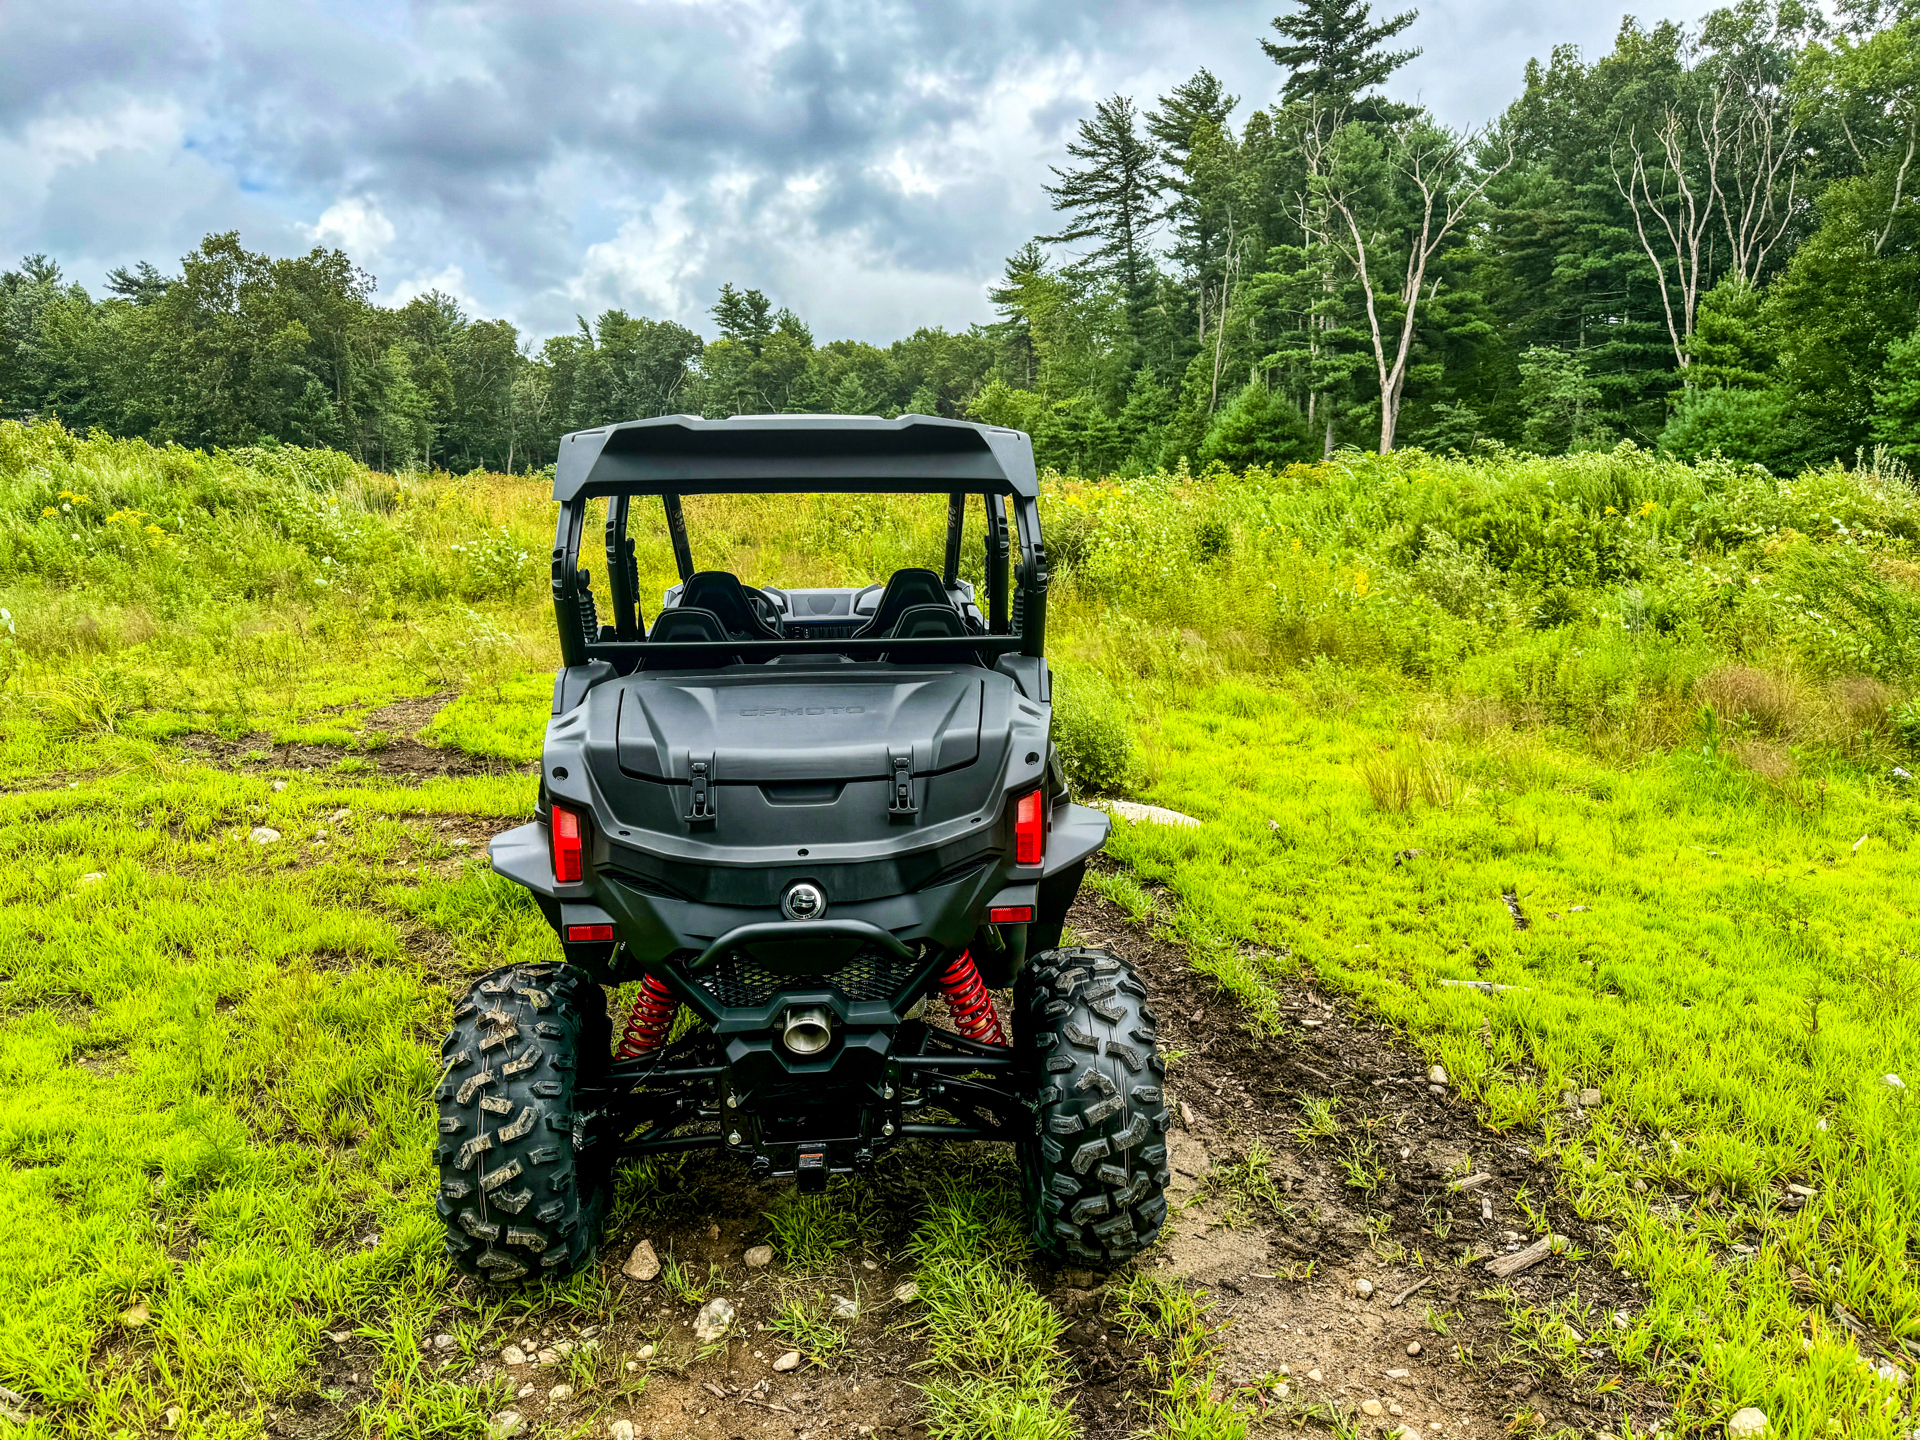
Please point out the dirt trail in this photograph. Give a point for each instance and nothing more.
(398, 755)
(1284, 1284)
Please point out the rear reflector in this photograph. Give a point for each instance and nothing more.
(590, 933)
(1009, 915)
(566, 841)
(1030, 829)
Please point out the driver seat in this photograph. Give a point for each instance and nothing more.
(720, 593)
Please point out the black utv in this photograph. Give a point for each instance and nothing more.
(810, 831)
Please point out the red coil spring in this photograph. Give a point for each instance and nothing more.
(652, 1019)
(966, 996)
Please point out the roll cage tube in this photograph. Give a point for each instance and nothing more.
(1017, 627)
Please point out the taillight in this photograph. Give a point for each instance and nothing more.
(566, 832)
(1030, 830)
(590, 933)
(1009, 915)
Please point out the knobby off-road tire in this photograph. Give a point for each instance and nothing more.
(520, 1194)
(1095, 1174)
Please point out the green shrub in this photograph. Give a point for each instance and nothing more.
(1093, 733)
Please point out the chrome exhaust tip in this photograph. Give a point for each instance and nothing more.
(807, 1030)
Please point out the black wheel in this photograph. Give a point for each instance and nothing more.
(520, 1194)
(1095, 1174)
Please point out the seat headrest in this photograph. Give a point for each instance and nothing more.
(913, 586)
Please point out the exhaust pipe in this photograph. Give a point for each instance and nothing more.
(807, 1030)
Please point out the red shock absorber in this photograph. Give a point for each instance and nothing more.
(966, 995)
(652, 1019)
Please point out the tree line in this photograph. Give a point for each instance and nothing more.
(1704, 240)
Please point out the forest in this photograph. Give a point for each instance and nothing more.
(1703, 241)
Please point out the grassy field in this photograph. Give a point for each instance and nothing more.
(1663, 715)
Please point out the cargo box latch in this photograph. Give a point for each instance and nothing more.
(901, 797)
(700, 803)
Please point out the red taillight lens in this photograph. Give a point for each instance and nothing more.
(1030, 830)
(1009, 915)
(590, 933)
(566, 832)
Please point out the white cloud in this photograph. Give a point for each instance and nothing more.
(355, 224)
(651, 264)
(449, 280)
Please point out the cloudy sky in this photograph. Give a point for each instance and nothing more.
(867, 162)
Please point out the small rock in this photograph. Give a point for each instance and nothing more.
(758, 1256)
(633, 1365)
(713, 1320)
(1795, 1190)
(1394, 1408)
(868, 1263)
(846, 1308)
(562, 1392)
(1437, 1075)
(459, 842)
(1437, 1090)
(1590, 1097)
(1187, 1116)
(1620, 1320)
(1371, 1407)
(443, 1342)
(1640, 1185)
(1135, 812)
(136, 1315)
(506, 1423)
(1892, 1080)
(172, 1418)
(524, 1392)
(1748, 1424)
(340, 1338)
(907, 1291)
(1399, 1373)
(1363, 1287)
(1413, 1348)
(787, 1361)
(279, 786)
(548, 1356)
(622, 1431)
(646, 1353)
(264, 835)
(643, 1265)
(589, 1331)
(1280, 1391)
(713, 1230)
(513, 1356)
(93, 878)
(337, 817)
(1315, 1376)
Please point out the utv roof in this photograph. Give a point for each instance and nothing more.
(683, 454)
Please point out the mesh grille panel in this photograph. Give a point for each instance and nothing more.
(873, 975)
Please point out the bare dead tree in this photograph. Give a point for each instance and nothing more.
(1221, 300)
(1449, 189)
(1748, 189)
(1680, 207)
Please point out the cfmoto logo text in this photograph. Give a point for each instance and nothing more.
(804, 901)
(806, 710)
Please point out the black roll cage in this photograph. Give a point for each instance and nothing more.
(672, 456)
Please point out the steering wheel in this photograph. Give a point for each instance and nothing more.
(767, 608)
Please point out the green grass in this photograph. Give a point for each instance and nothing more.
(990, 1335)
(1659, 706)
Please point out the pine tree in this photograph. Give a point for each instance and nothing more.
(1333, 54)
(1113, 200)
(1183, 110)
